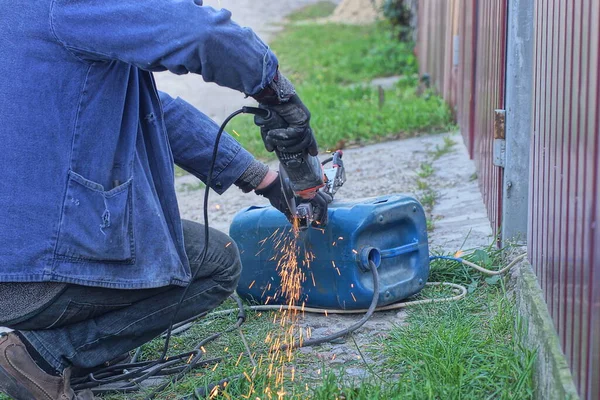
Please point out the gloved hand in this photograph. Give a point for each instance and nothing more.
(319, 203)
(288, 130)
(274, 193)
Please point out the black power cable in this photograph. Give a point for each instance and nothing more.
(206, 229)
(213, 161)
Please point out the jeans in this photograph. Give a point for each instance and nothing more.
(87, 326)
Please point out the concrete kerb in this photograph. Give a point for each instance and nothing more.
(552, 376)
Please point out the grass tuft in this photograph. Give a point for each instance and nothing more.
(444, 149)
(342, 54)
(426, 170)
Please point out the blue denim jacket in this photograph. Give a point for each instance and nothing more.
(87, 144)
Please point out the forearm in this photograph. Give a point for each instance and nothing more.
(192, 137)
(157, 35)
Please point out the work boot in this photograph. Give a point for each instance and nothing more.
(22, 379)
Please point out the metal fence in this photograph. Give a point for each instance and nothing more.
(563, 144)
(564, 184)
(461, 46)
(490, 56)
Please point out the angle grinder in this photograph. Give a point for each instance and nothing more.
(302, 175)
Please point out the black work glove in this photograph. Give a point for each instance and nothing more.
(288, 130)
(319, 203)
(274, 193)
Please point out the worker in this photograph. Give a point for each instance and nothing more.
(93, 254)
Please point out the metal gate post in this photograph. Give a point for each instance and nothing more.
(519, 109)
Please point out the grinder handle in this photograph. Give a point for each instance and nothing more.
(268, 119)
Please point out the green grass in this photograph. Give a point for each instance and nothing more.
(331, 66)
(321, 9)
(426, 170)
(342, 54)
(351, 115)
(463, 350)
(180, 172)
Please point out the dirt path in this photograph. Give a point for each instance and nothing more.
(264, 17)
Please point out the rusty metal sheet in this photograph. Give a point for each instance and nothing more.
(564, 179)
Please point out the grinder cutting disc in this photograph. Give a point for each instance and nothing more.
(288, 192)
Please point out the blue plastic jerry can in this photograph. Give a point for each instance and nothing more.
(389, 232)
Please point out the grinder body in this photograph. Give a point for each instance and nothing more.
(301, 174)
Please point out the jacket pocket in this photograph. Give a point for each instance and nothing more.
(96, 225)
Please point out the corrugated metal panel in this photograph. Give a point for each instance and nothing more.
(435, 48)
(466, 72)
(490, 79)
(565, 175)
(474, 88)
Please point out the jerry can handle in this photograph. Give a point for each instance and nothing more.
(369, 254)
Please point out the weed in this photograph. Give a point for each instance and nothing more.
(321, 9)
(473, 177)
(462, 350)
(422, 185)
(180, 171)
(444, 149)
(426, 170)
(430, 224)
(428, 199)
(342, 54)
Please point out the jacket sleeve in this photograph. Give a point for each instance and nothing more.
(192, 138)
(157, 35)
